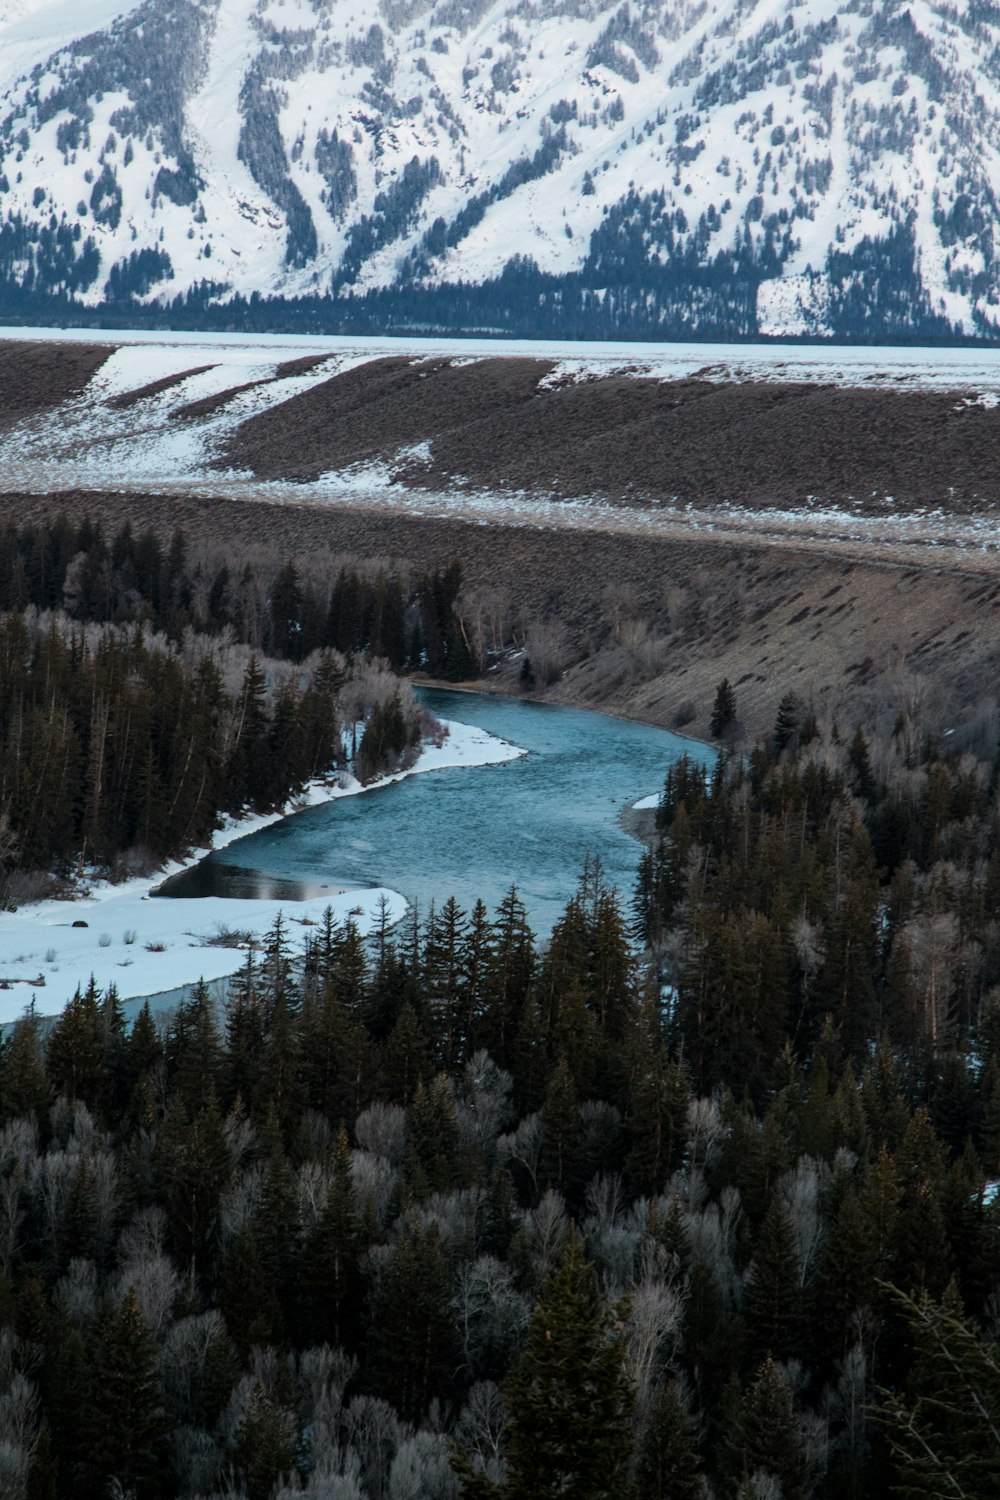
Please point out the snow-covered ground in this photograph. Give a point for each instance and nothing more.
(147, 946)
(906, 366)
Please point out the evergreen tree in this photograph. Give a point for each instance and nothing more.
(75, 1054)
(723, 709)
(568, 1398)
(944, 1429)
(787, 722)
(413, 1335)
(126, 1422)
(668, 1464)
(264, 1447)
(24, 1086)
(331, 1281)
(767, 1437)
(193, 1164)
(772, 1305)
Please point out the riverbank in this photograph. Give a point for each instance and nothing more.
(122, 935)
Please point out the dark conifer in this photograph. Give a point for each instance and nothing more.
(668, 1464)
(568, 1398)
(944, 1430)
(126, 1423)
(787, 722)
(772, 1306)
(331, 1281)
(264, 1447)
(723, 709)
(24, 1087)
(412, 1330)
(767, 1437)
(74, 1057)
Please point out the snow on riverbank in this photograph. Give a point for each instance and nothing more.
(147, 946)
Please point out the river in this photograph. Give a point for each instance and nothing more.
(470, 833)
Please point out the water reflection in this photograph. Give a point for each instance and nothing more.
(470, 832)
(211, 877)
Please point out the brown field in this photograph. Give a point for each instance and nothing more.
(36, 377)
(693, 442)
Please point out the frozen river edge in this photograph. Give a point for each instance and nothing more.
(150, 947)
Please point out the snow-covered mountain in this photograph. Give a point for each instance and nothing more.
(586, 166)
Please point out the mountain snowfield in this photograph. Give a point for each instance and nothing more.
(712, 166)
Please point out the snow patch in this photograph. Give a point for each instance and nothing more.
(791, 306)
(146, 946)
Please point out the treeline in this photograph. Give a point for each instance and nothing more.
(692, 296)
(114, 744)
(286, 607)
(147, 688)
(842, 888)
(452, 1215)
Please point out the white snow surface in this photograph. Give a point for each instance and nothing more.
(147, 946)
(143, 356)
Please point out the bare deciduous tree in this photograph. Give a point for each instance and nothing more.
(422, 1470)
(381, 1129)
(492, 1314)
(524, 1146)
(652, 1332)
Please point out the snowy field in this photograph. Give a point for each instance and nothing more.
(886, 367)
(147, 946)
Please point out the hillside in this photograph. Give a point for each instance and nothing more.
(711, 168)
(655, 522)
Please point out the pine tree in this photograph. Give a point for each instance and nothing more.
(193, 1049)
(723, 709)
(286, 613)
(193, 1162)
(560, 1130)
(24, 1087)
(860, 766)
(264, 1447)
(944, 1430)
(787, 722)
(407, 1059)
(413, 1334)
(668, 1465)
(772, 1305)
(331, 1278)
(656, 1120)
(568, 1399)
(126, 1423)
(430, 1161)
(767, 1437)
(75, 1053)
(509, 971)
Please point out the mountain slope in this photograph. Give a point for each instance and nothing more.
(727, 167)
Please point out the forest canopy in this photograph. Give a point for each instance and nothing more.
(698, 1197)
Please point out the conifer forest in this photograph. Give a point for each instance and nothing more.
(696, 1199)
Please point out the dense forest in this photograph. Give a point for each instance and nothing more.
(144, 692)
(696, 1198)
(458, 1214)
(648, 275)
(287, 608)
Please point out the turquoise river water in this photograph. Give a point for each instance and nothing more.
(474, 831)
